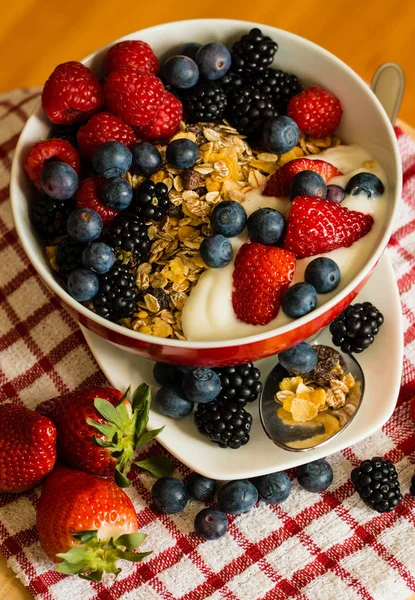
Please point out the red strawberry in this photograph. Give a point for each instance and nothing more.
(54, 148)
(27, 448)
(167, 120)
(103, 127)
(279, 182)
(316, 111)
(133, 53)
(71, 94)
(260, 277)
(86, 523)
(88, 195)
(133, 96)
(316, 226)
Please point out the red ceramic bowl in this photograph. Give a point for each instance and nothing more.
(364, 122)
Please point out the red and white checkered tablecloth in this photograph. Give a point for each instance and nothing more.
(315, 547)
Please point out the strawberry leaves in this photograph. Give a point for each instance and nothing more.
(159, 466)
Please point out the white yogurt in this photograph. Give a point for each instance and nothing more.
(208, 314)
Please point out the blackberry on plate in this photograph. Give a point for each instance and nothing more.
(66, 132)
(355, 328)
(231, 81)
(49, 216)
(253, 53)
(69, 256)
(240, 384)
(279, 85)
(205, 102)
(376, 482)
(116, 295)
(151, 201)
(128, 233)
(224, 423)
(248, 111)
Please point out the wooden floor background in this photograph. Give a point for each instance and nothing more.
(35, 35)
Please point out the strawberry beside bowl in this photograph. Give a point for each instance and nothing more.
(364, 122)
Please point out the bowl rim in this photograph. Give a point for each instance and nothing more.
(64, 296)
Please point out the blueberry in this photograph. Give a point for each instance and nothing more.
(169, 495)
(201, 488)
(273, 488)
(82, 284)
(181, 72)
(237, 497)
(213, 60)
(315, 476)
(59, 180)
(299, 300)
(99, 257)
(281, 134)
(228, 218)
(201, 385)
(111, 159)
(146, 159)
(182, 153)
(166, 374)
(117, 193)
(335, 193)
(308, 183)
(299, 359)
(216, 251)
(365, 183)
(323, 274)
(266, 226)
(211, 523)
(171, 402)
(84, 225)
(190, 49)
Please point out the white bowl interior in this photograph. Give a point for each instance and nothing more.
(364, 122)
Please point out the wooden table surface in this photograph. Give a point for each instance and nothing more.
(35, 35)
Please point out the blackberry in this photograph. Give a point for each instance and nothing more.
(253, 53)
(116, 295)
(231, 81)
(248, 110)
(277, 84)
(160, 295)
(240, 384)
(224, 423)
(151, 201)
(355, 328)
(66, 132)
(49, 216)
(376, 482)
(69, 256)
(205, 102)
(129, 234)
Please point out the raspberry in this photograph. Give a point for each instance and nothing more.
(103, 127)
(133, 96)
(316, 111)
(167, 119)
(72, 93)
(88, 195)
(132, 53)
(54, 148)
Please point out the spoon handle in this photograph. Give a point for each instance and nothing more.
(388, 85)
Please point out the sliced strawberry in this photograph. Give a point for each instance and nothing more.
(88, 195)
(316, 226)
(279, 182)
(260, 277)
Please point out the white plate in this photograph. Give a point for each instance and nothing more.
(382, 365)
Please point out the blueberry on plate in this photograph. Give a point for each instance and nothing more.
(82, 284)
(273, 488)
(111, 159)
(201, 488)
(146, 159)
(299, 359)
(281, 134)
(169, 495)
(99, 257)
(299, 300)
(190, 49)
(211, 524)
(216, 251)
(213, 60)
(182, 153)
(181, 72)
(323, 274)
(84, 225)
(365, 183)
(266, 226)
(172, 403)
(117, 193)
(59, 180)
(308, 183)
(335, 193)
(166, 374)
(237, 497)
(228, 218)
(201, 385)
(315, 476)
